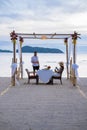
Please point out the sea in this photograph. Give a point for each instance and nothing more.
(51, 59)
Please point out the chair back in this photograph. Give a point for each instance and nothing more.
(61, 71)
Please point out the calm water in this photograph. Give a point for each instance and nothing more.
(45, 59)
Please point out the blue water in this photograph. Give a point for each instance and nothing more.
(45, 59)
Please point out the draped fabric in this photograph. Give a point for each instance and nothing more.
(75, 68)
(13, 68)
(13, 71)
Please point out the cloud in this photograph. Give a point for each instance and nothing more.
(42, 16)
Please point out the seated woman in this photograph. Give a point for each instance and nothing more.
(58, 71)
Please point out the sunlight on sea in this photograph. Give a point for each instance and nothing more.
(44, 58)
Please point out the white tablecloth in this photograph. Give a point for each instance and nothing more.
(45, 75)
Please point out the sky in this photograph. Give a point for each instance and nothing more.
(42, 16)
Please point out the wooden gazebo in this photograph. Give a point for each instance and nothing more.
(21, 36)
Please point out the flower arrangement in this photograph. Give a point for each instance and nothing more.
(74, 37)
(13, 36)
(47, 67)
(21, 40)
(65, 40)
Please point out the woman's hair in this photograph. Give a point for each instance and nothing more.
(61, 63)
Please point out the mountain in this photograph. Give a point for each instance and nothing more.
(29, 49)
(8, 51)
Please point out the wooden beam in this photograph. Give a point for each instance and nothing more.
(41, 38)
(48, 36)
(45, 34)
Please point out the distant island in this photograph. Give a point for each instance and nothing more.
(8, 51)
(29, 49)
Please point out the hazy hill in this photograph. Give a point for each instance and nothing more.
(8, 51)
(29, 49)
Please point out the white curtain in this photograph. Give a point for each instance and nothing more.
(75, 68)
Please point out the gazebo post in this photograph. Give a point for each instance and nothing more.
(74, 62)
(74, 54)
(21, 64)
(67, 64)
(14, 60)
(74, 37)
(71, 69)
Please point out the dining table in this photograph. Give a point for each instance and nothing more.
(45, 75)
